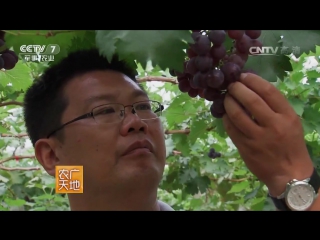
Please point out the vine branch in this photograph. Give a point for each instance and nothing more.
(2, 104)
(232, 179)
(17, 168)
(16, 158)
(20, 168)
(157, 79)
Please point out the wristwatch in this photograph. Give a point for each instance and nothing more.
(299, 195)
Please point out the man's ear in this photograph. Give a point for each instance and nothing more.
(46, 155)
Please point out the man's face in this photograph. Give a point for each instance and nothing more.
(100, 147)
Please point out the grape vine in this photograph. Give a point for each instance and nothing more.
(211, 68)
(8, 58)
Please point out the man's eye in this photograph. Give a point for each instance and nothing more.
(106, 111)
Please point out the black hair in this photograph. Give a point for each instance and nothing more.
(44, 102)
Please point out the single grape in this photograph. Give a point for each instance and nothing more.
(1, 62)
(253, 34)
(243, 44)
(214, 78)
(237, 60)
(13, 54)
(224, 85)
(214, 113)
(217, 37)
(191, 66)
(180, 74)
(218, 52)
(218, 105)
(211, 153)
(193, 92)
(9, 61)
(256, 43)
(191, 53)
(201, 93)
(194, 83)
(244, 56)
(235, 34)
(231, 72)
(180, 79)
(225, 58)
(200, 78)
(217, 155)
(184, 86)
(211, 94)
(203, 63)
(189, 76)
(202, 44)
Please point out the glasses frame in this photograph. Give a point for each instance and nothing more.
(90, 114)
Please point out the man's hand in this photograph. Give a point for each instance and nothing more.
(272, 144)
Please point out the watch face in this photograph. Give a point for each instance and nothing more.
(300, 197)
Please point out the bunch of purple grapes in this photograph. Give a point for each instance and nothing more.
(8, 58)
(213, 154)
(211, 67)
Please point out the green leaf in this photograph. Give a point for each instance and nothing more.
(311, 114)
(197, 130)
(15, 202)
(3, 130)
(297, 105)
(238, 187)
(19, 77)
(305, 40)
(3, 189)
(269, 67)
(164, 48)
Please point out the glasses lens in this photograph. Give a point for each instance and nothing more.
(148, 110)
(108, 113)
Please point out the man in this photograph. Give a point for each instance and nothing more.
(86, 111)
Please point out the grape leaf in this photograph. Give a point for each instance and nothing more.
(297, 105)
(19, 77)
(198, 129)
(269, 67)
(83, 41)
(305, 40)
(164, 48)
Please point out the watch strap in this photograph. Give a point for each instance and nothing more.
(281, 203)
(315, 181)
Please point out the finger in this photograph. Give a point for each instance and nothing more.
(233, 132)
(269, 93)
(252, 102)
(240, 118)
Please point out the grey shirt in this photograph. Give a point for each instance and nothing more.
(164, 206)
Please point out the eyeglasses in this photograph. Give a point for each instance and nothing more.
(114, 112)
